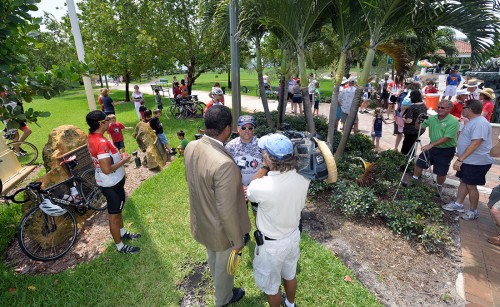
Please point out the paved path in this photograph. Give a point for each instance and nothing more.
(481, 260)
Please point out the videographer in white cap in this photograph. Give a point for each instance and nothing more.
(281, 196)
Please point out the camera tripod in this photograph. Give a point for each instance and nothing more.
(412, 156)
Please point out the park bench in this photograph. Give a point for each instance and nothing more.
(162, 89)
(162, 82)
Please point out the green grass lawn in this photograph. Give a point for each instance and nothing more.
(159, 209)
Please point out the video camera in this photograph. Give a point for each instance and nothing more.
(310, 161)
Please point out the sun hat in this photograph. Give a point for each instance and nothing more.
(246, 119)
(488, 92)
(353, 79)
(277, 146)
(472, 83)
(344, 81)
(461, 92)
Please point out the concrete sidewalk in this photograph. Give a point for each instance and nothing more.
(481, 260)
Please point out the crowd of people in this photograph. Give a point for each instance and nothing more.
(457, 128)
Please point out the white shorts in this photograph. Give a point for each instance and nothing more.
(450, 90)
(276, 259)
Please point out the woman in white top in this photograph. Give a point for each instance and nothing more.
(137, 97)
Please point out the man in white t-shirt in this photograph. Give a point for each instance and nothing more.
(310, 89)
(281, 196)
(346, 98)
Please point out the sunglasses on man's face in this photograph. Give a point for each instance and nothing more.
(441, 108)
(245, 128)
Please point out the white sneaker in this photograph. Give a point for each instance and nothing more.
(470, 215)
(453, 206)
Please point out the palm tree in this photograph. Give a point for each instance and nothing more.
(250, 28)
(348, 26)
(301, 20)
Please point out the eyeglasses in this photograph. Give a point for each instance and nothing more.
(245, 128)
(465, 108)
(441, 108)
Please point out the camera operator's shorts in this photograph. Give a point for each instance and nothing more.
(276, 259)
(440, 158)
(473, 174)
(494, 200)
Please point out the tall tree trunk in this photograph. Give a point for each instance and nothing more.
(127, 83)
(282, 101)
(335, 97)
(100, 80)
(303, 88)
(106, 79)
(356, 102)
(263, 96)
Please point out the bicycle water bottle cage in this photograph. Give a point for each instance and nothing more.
(51, 209)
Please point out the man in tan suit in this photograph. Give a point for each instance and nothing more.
(219, 216)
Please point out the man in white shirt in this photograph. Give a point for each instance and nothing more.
(281, 196)
(346, 98)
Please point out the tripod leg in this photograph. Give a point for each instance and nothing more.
(411, 157)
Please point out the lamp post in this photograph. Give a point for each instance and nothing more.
(235, 62)
(75, 29)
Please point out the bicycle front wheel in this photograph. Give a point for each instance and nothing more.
(91, 192)
(199, 110)
(45, 238)
(26, 152)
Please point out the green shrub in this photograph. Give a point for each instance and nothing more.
(318, 187)
(351, 199)
(416, 219)
(435, 237)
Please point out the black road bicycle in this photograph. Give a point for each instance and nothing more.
(49, 230)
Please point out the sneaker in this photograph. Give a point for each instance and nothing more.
(470, 215)
(19, 153)
(453, 206)
(283, 299)
(127, 249)
(131, 236)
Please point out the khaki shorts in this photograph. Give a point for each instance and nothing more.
(276, 259)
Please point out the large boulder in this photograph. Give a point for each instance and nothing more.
(62, 139)
(145, 137)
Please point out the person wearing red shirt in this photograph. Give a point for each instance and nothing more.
(430, 88)
(115, 132)
(110, 177)
(459, 103)
(486, 95)
(183, 88)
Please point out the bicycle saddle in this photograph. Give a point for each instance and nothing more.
(68, 160)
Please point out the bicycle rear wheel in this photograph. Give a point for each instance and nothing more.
(45, 238)
(91, 192)
(177, 112)
(199, 110)
(26, 152)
